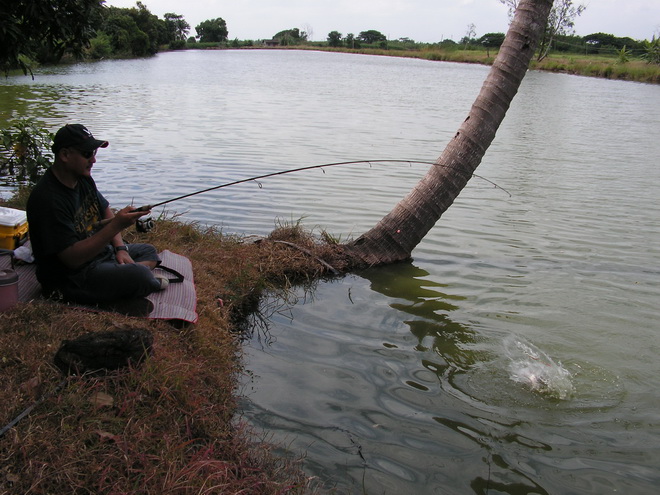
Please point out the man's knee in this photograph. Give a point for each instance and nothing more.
(143, 253)
(112, 281)
(142, 279)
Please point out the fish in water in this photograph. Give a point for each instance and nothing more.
(533, 368)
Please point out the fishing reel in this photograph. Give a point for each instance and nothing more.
(144, 226)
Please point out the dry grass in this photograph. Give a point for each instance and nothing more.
(167, 426)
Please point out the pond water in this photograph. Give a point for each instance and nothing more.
(515, 353)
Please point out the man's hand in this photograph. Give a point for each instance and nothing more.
(128, 216)
(83, 251)
(123, 258)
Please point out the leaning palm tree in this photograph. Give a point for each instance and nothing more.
(399, 232)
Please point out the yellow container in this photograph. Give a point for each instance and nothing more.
(13, 227)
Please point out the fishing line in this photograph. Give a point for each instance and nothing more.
(301, 169)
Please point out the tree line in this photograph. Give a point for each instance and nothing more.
(44, 32)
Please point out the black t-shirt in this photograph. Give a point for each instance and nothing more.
(58, 217)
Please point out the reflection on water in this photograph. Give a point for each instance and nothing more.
(517, 353)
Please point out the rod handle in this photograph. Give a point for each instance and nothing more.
(106, 221)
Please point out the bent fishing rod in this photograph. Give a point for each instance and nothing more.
(283, 172)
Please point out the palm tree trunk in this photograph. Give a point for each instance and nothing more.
(399, 232)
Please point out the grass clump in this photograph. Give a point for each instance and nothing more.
(167, 426)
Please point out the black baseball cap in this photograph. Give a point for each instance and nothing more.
(76, 136)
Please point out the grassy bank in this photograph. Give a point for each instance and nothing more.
(582, 65)
(169, 425)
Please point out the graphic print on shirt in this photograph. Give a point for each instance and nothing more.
(87, 214)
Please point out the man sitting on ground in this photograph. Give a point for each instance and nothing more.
(76, 259)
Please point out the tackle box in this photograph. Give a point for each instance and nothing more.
(13, 227)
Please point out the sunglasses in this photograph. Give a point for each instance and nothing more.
(87, 154)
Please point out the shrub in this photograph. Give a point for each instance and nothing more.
(100, 46)
(24, 151)
(652, 51)
(177, 45)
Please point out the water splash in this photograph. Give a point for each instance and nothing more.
(533, 368)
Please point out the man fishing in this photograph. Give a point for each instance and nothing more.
(77, 260)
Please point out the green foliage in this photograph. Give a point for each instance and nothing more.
(176, 27)
(624, 55)
(372, 36)
(212, 31)
(491, 40)
(605, 40)
(136, 32)
(403, 44)
(126, 37)
(652, 51)
(334, 38)
(291, 37)
(560, 22)
(44, 30)
(351, 42)
(177, 45)
(24, 151)
(100, 46)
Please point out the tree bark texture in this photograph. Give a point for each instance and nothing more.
(398, 233)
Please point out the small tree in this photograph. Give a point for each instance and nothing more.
(560, 21)
(491, 40)
(24, 151)
(177, 27)
(308, 31)
(351, 42)
(652, 51)
(623, 55)
(291, 37)
(372, 36)
(212, 31)
(334, 38)
(469, 35)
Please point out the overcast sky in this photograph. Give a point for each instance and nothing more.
(420, 20)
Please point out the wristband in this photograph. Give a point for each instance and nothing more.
(120, 248)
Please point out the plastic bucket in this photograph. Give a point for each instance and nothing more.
(8, 289)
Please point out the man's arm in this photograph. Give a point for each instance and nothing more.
(83, 251)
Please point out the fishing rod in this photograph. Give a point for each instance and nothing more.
(300, 169)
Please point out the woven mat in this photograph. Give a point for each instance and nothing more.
(177, 302)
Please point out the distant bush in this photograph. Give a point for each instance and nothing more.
(652, 51)
(177, 45)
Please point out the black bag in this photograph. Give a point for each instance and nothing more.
(102, 351)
